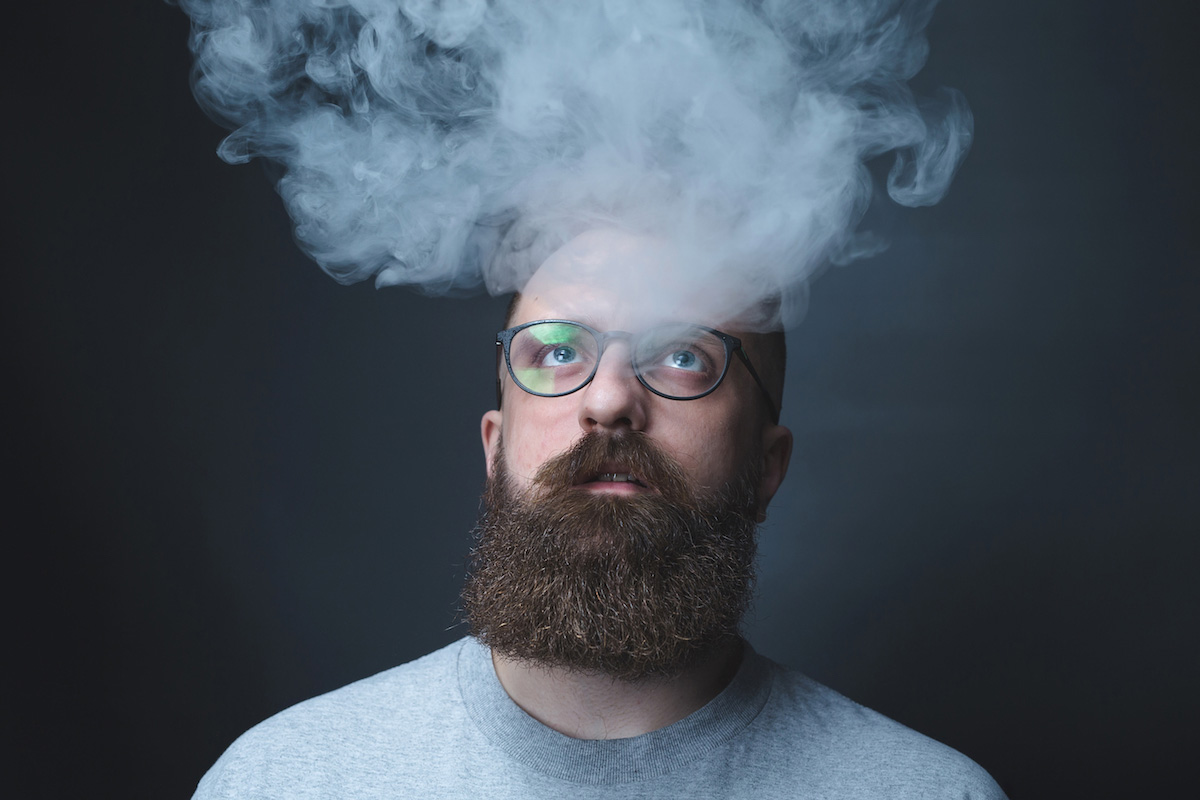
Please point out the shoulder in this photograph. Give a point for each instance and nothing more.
(391, 717)
(860, 752)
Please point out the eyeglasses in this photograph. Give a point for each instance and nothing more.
(555, 357)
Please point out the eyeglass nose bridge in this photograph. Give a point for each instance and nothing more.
(603, 340)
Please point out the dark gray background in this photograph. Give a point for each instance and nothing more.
(232, 484)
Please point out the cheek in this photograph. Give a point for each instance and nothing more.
(530, 439)
(711, 447)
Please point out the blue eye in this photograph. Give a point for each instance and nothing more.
(683, 359)
(561, 355)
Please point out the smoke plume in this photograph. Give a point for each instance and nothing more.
(445, 144)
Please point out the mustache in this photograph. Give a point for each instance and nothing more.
(631, 452)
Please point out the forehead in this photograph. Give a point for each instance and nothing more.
(614, 280)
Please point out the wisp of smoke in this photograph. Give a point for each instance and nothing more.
(448, 144)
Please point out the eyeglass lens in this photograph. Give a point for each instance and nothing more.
(681, 361)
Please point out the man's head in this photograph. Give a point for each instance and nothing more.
(645, 502)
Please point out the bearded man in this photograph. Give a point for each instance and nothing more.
(635, 448)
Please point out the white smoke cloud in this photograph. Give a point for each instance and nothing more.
(445, 144)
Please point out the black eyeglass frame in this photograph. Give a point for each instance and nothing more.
(733, 345)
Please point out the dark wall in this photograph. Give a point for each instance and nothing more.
(232, 484)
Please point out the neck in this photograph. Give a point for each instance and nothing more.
(589, 705)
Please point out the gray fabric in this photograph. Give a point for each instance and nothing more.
(443, 727)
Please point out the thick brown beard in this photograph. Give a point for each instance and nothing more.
(632, 586)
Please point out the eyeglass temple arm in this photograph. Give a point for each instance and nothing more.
(741, 352)
(499, 374)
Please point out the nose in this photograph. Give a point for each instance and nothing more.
(614, 398)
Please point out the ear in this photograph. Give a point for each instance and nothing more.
(489, 430)
(777, 453)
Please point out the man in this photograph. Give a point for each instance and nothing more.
(635, 447)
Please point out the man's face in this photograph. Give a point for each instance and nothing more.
(575, 566)
(615, 281)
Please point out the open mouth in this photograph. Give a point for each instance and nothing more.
(613, 477)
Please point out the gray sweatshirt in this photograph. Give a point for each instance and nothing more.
(443, 727)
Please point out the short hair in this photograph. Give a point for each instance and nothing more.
(769, 356)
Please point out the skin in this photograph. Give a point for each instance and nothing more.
(615, 281)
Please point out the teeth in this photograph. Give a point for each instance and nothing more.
(616, 477)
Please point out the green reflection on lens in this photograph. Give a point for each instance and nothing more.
(554, 332)
(536, 380)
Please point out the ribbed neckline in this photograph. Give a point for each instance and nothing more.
(609, 761)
